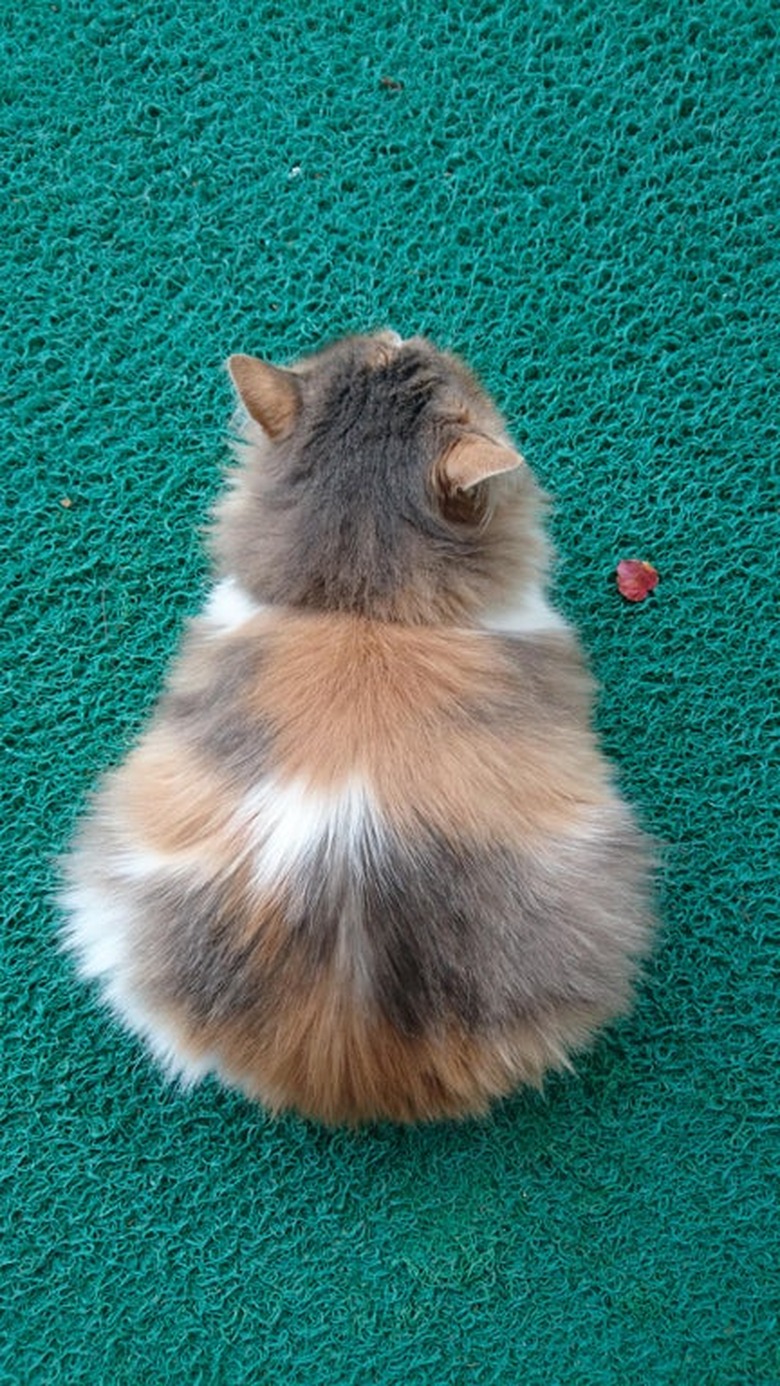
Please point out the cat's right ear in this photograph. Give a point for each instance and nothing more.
(475, 458)
(270, 395)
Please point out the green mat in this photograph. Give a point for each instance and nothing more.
(582, 199)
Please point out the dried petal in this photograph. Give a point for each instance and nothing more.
(635, 579)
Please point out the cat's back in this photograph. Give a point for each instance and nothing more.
(362, 868)
(470, 730)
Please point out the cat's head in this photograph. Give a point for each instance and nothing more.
(379, 479)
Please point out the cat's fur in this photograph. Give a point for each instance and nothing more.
(367, 860)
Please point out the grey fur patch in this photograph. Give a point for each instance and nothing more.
(553, 678)
(491, 937)
(199, 950)
(444, 931)
(211, 711)
(544, 684)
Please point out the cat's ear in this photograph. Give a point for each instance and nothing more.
(473, 459)
(271, 396)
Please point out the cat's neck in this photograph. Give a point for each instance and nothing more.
(229, 606)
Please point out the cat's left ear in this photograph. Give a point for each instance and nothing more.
(271, 396)
(473, 459)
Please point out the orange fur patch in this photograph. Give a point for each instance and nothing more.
(438, 722)
(172, 802)
(332, 1061)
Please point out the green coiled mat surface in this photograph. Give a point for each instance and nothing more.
(583, 199)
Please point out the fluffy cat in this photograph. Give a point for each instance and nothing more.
(367, 860)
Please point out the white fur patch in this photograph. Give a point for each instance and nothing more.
(228, 606)
(278, 827)
(288, 824)
(99, 932)
(531, 613)
(289, 821)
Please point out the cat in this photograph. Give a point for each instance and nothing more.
(367, 860)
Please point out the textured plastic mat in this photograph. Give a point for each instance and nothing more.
(582, 198)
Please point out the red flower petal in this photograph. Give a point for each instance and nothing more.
(635, 579)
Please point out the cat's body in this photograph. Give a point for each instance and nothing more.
(367, 861)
